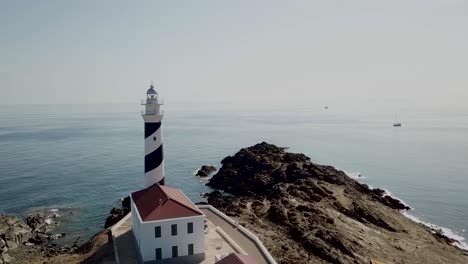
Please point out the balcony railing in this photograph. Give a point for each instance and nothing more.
(160, 101)
(151, 112)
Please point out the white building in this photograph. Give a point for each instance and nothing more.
(167, 226)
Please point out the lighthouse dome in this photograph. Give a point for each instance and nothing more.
(151, 90)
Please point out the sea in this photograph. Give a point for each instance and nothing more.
(79, 160)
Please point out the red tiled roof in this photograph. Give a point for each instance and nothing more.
(235, 258)
(159, 202)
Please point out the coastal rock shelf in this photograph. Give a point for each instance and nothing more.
(19, 238)
(205, 171)
(309, 213)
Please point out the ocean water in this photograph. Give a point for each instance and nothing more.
(83, 158)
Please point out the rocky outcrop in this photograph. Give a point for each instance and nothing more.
(205, 171)
(15, 235)
(126, 202)
(309, 213)
(116, 214)
(36, 221)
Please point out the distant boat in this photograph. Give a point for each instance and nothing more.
(396, 124)
(326, 107)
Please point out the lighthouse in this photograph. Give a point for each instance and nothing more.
(165, 223)
(154, 155)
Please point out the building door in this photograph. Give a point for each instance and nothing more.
(175, 251)
(190, 249)
(158, 253)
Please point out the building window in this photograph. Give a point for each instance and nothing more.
(157, 231)
(174, 230)
(190, 228)
(158, 253)
(154, 138)
(175, 251)
(190, 249)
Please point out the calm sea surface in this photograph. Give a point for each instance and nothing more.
(86, 157)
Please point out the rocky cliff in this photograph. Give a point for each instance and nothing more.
(309, 213)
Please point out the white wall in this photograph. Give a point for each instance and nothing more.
(136, 225)
(148, 243)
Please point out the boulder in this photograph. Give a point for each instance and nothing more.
(126, 202)
(277, 214)
(6, 258)
(205, 171)
(39, 238)
(116, 214)
(36, 221)
(11, 244)
(16, 234)
(394, 203)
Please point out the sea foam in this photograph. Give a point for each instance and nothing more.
(460, 241)
(354, 175)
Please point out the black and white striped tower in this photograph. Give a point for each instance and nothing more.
(154, 156)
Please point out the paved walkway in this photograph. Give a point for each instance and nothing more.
(124, 242)
(244, 242)
(214, 244)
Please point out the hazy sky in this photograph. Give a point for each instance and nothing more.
(337, 53)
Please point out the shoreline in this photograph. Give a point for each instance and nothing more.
(451, 237)
(460, 241)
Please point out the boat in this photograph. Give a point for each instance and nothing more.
(396, 124)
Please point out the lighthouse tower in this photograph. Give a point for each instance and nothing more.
(154, 157)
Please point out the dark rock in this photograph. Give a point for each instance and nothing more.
(55, 236)
(216, 199)
(205, 171)
(116, 214)
(277, 214)
(35, 240)
(438, 233)
(256, 170)
(36, 221)
(126, 202)
(394, 203)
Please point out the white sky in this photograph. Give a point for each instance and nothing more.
(278, 53)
